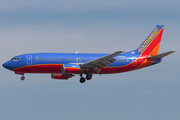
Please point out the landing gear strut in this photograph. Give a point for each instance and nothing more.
(23, 78)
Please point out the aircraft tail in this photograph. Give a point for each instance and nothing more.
(151, 45)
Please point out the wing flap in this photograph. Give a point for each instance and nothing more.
(160, 55)
(107, 62)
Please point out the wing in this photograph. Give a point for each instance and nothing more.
(101, 62)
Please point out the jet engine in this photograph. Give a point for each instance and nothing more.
(61, 76)
(71, 69)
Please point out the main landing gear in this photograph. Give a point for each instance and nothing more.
(88, 77)
(22, 78)
(82, 80)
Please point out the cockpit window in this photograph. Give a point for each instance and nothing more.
(15, 58)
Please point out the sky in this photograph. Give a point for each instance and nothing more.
(96, 26)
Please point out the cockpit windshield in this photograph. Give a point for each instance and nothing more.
(15, 58)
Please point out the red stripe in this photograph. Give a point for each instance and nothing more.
(43, 68)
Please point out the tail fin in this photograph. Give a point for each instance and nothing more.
(151, 45)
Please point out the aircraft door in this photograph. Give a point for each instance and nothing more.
(29, 59)
(78, 60)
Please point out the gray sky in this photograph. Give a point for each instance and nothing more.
(89, 27)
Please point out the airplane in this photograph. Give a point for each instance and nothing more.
(63, 66)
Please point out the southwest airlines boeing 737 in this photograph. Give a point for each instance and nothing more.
(65, 65)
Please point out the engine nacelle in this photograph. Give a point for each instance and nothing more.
(70, 69)
(61, 76)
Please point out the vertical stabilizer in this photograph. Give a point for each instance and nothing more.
(151, 45)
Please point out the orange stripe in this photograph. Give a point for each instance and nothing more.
(156, 50)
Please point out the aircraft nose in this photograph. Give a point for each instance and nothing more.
(6, 65)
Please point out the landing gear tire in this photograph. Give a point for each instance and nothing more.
(22, 78)
(82, 80)
(88, 77)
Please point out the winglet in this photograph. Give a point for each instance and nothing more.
(161, 55)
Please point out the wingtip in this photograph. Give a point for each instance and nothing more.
(173, 51)
(120, 51)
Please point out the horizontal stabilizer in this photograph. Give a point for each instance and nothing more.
(160, 55)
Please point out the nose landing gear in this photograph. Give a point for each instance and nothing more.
(20, 73)
(22, 78)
